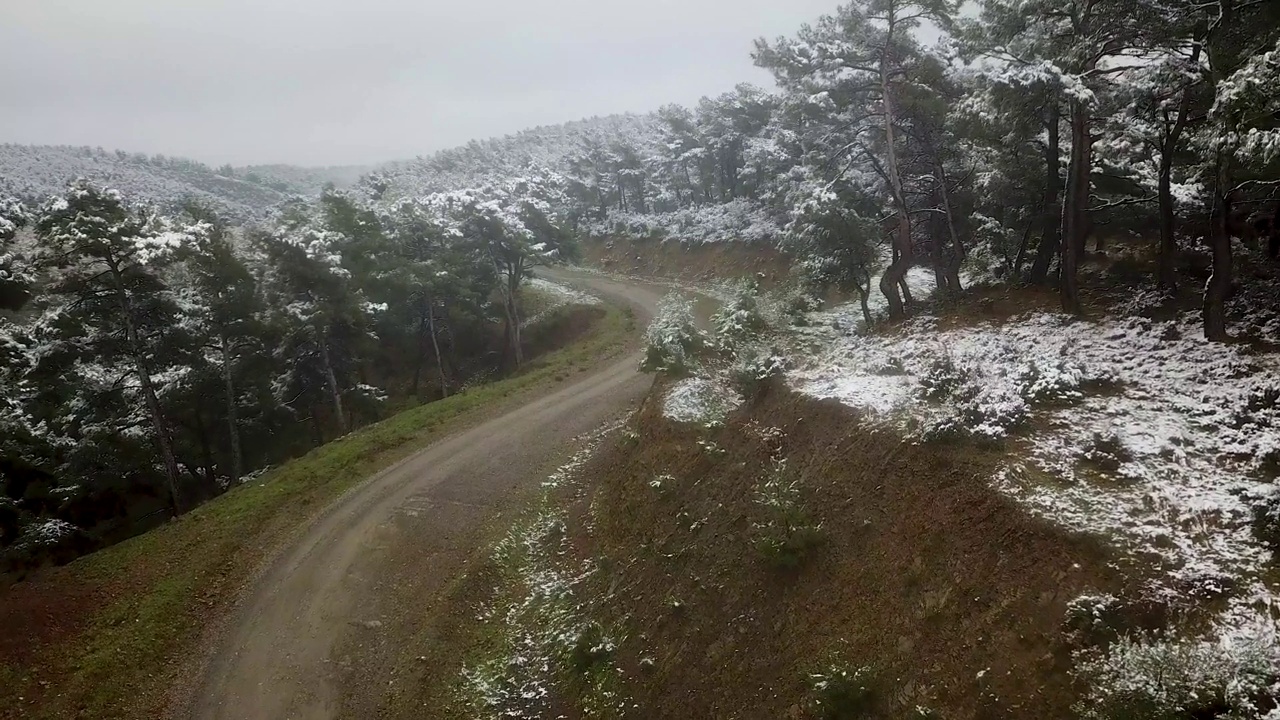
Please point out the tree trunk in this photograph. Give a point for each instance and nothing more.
(435, 344)
(864, 295)
(1222, 61)
(233, 419)
(513, 317)
(420, 352)
(1219, 285)
(906, 291)
(512, 313)
(1168, 271)
(957, 246)
(895, 275)
(1022, 249)
(317, 430)
(1167, 274)
(1052, 208)
(1074, 209)
(164, 443)
(206, 450)
(936, 246)
(331, 380)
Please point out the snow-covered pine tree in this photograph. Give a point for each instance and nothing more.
(113, 310)
(849, 66)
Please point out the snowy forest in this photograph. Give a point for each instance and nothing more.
(1034, 131)
(123, 325)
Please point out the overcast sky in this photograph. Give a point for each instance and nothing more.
(325, 82)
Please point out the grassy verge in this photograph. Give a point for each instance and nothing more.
(511, 637)
(141, 607)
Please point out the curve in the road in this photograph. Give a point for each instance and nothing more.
(319, 618)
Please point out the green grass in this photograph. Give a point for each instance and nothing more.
(161, 590)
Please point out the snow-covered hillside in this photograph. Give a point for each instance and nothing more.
(679, 173)
(307, 181)
(554, 147)
(1130, 429)
(36, 172)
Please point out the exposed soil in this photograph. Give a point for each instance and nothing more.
(674, 260)
(47, 609)
(954, 595)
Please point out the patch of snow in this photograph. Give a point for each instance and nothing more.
(920, 282)
(700, 400)
(558, 296)
(1132, 429)
(880, 393)
(44, 533)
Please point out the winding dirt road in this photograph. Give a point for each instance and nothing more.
(315, 636)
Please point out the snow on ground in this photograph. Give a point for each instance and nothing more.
(702, 400)
(1136, 430)
(556, 296)
(920, 281)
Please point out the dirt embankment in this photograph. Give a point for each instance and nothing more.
(955, 597)
(675, 260)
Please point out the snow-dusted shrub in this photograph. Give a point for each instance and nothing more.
(943, 377)
(543, 633)
(793, 301)
(990, 395)
(1170, 679)
(839, 692)
(507, 687)
(739, 320)
(44, 541)
(785, 535)
(1258, 424)
(990, 411)
(1090, 611)
(700, 400)
(993, 245)
(589, 647)
(673, 339)
(1055, 380)
(1094, 619)
(756, 366)
(1106, 450)
(1266, 518)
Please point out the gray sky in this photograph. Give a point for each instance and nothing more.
(323, 82)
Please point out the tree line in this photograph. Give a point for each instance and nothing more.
(149, 361)
(1032, 128)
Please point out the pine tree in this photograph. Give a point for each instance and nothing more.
(15, 273)
(852, 64)
(114, 308)
(222, 312)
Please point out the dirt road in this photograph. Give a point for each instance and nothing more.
(315, 637)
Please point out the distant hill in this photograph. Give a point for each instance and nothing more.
(34, 172)
(300, 180)
(560, 148)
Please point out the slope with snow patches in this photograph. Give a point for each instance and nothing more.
(555, 296)
(1135, 430)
